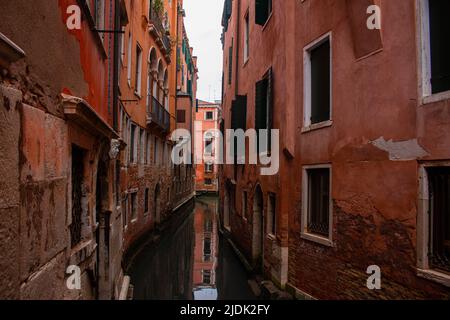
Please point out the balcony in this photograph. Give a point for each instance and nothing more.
(157, 115)
(157, 29)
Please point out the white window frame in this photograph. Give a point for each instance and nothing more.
(246, 37)
(423, 228)
(122, 45)
(424, 56)
(307, 86)
(130, 57)
(271, 216)
(138, 88)
(326, 241)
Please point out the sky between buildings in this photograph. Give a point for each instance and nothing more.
(203, 26)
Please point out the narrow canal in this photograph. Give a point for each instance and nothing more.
(191, 261)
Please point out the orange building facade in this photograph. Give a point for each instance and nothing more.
(88, 101)
(207, 123)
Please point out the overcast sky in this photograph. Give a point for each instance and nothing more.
(203, 26)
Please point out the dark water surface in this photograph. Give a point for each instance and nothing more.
(191, 261)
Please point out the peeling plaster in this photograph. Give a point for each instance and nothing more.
(401, 150)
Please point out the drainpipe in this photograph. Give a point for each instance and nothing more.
(238, 38)
(116, 64)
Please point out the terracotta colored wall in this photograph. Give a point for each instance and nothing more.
(375, 199)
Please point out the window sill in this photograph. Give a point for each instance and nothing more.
(138, 95)
(133, 221)
(246, 60)
(317, 126)
(318, 239)
(437, 97)
(435, 276)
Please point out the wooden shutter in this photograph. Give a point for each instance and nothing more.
(261, 11)
(239, 113)
(260, 105)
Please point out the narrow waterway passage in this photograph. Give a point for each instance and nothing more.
(191, 261)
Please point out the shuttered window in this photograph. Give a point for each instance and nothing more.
(239, 113)
(264, 109)
(263, 9)
(439, 189)
(440, 45)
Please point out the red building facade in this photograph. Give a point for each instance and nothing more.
(364, 145)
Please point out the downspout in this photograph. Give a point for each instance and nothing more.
(116, 64)
(238, 38)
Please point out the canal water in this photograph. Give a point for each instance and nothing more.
(191, 261)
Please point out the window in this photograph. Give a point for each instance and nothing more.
(264, 111)
(138, 80)
(436, 27)
(263, 10)
(148, 153)
(208, 146)
(133, 150)
(130, 48)
(117, 182)
(208, 182)
(230, 63)
(122, 45)
(146, 201)
(97, 9)
(206, 276)
(207, 249)
(244, 204)
(439, 224)
(318, 82)
(78, 155)
(181, 116)
(317, 213)
(125, 212)
(134, 206)
(209, 115)
(155, 151)
(142, 147)
(271, 217)
(209, 167)
(247, 38)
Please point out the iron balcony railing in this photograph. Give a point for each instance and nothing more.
(157, 114)
(156, 20)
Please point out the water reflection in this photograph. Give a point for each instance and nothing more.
(190, 261)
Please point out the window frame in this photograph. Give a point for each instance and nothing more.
(425, 94)
(134, 205)
(307, 84)
(423, 228)
(129, 58)
(326, 241)
(271, 222)
(246, 36)
(138, 74)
